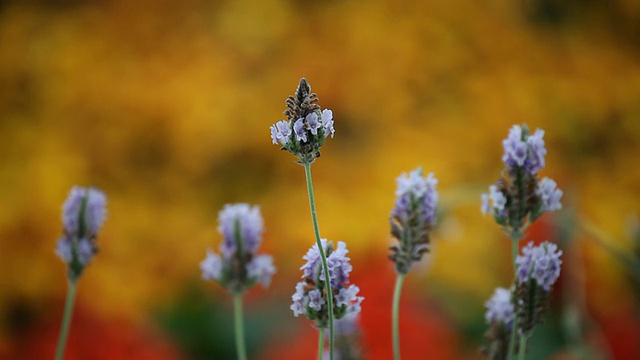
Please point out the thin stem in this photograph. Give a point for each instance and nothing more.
(238, 317)
(515, 236)
(325, 267)
(66, 319)
(320, 344)
(523, 346)
(395, 317)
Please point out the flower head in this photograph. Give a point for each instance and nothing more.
(494, 202)
(413, 217)
(519, 198)
(239, 267)
(310, 296)
(500, 308)
(524, 150)
(549, 195)
(540, 263)
(241, 227)
(306, 127)
(83, 214)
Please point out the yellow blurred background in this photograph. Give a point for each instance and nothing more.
(166, 106)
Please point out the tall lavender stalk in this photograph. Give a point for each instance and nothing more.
(515, 201)
(239, 267)
(412, 219)
(302, 134)
(83, 214)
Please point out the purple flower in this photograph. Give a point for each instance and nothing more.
(299, 129)
(327, 121)
(83, 214)
(86, 205)
(537, 151)
(307, 121)
(337, 262)
(524, 150)
(500, 308)
(493, 203)
(315, 300)
(515, 149)
(412, 218)
(261, 268)
(281, 132)
(211, 266)
(549, 195)
(85, 250)
(298, 297)
(540, 263)
(416, 193)
(313, 123)
(310, 298)
(239, 267)
(240, 224)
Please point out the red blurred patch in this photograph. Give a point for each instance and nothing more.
(94, 338)
(622, 332)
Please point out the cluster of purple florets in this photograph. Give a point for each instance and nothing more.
(83, 214)
(239, 267)
(310, 297)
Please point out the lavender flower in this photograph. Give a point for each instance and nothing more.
(413, 217)
(261, 268)
(519, 198)
(501, 316)
(211, 266)
(549, 195)
(241, 226)
(500, 308)
(306, 121)
(522, 150)
(494, 203)
(540, 263)
(239, 267)
(281, 132)
(310, 296)
(83, 214)
(538, 268)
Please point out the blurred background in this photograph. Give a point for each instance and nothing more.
(166, 106)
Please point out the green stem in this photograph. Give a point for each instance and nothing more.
(523, 346)
(320, 344)
(237, 312)
(66, 319)
(395, 317)
(515, 240)
(325, 267)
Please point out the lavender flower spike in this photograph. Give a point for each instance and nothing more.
(309, 124)
(239, 267)
(540, 263)
(549, 194)
(83, 214)
(500, 308)
(522, 150)
(413, 217)
(310, 297)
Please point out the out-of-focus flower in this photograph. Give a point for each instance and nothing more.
(412, 218)
(310, 296)
(540, 263)
(549, 195)
(519, 198)
(500, 308)
(239, 267)
(83, 214)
